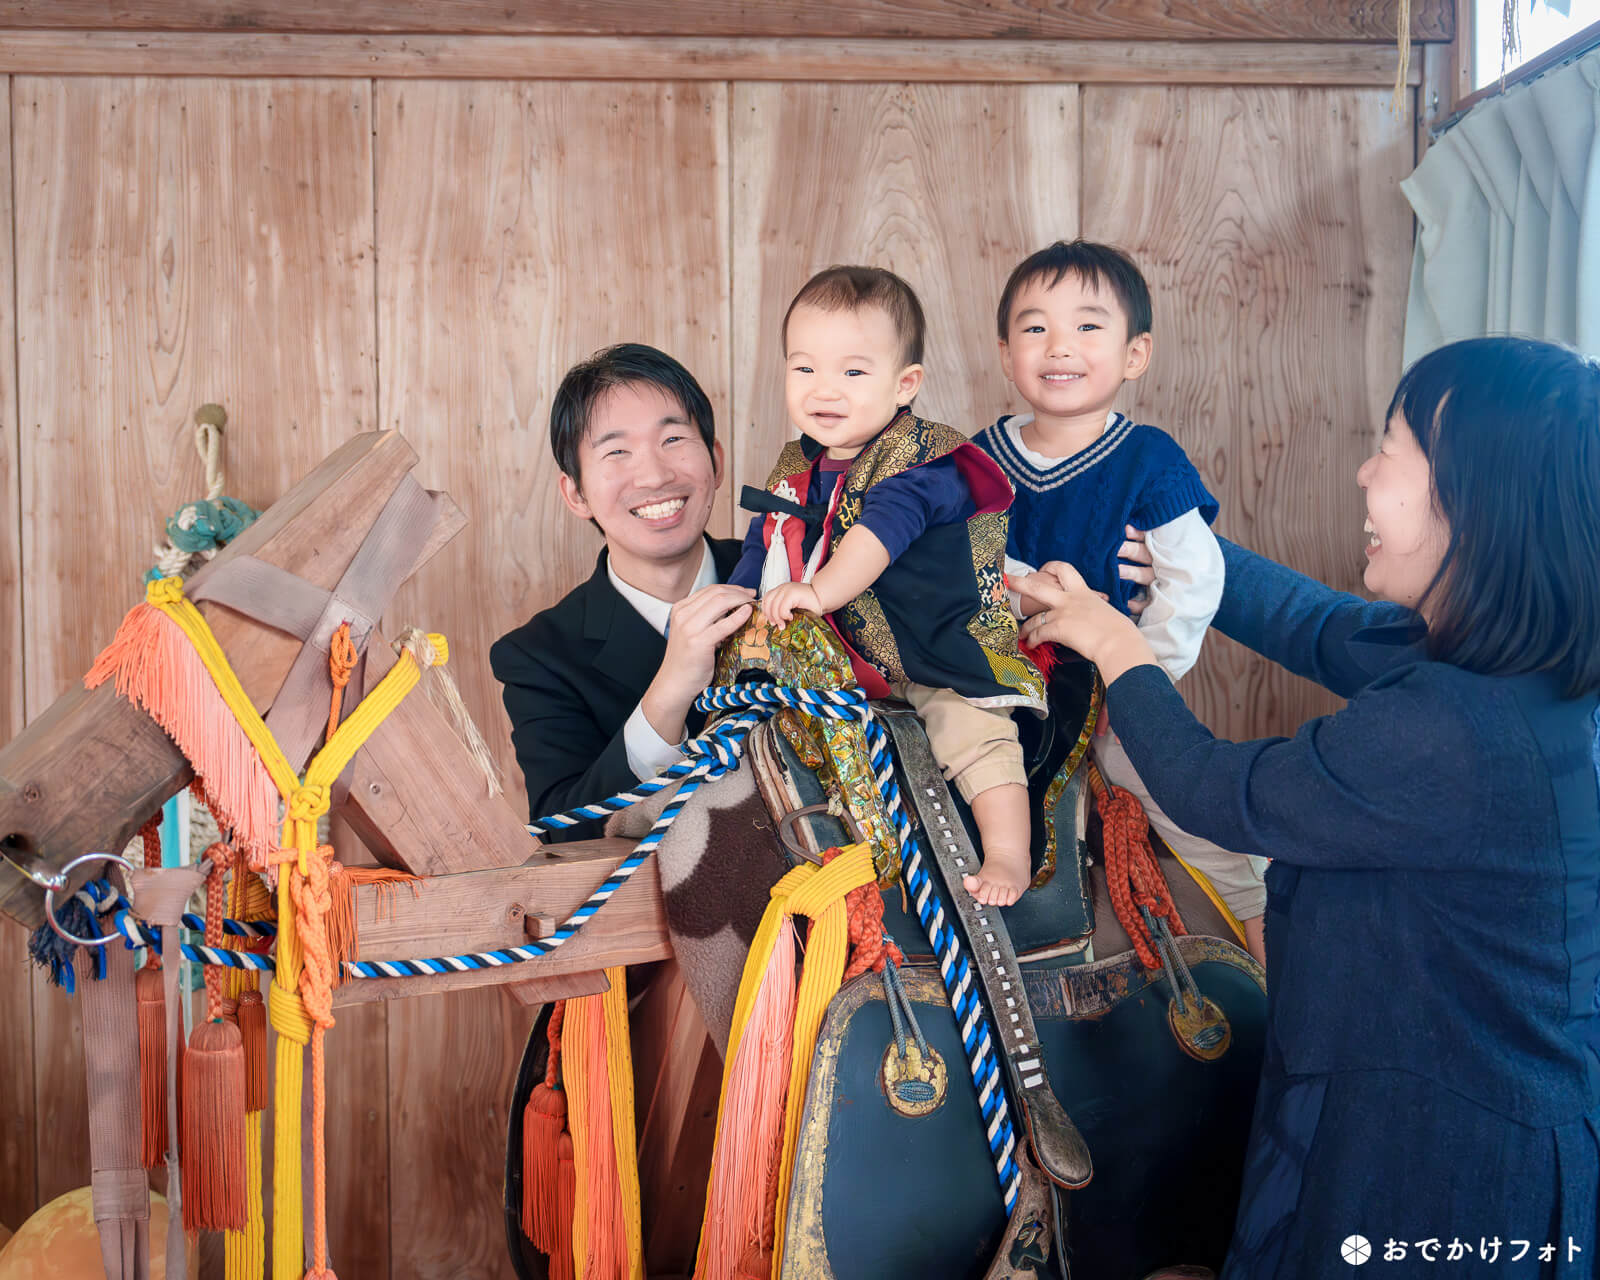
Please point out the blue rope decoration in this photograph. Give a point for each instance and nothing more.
(136, 933)
(955, 972)
(78, 915)
(707, 758)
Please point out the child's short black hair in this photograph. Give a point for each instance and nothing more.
(1511, 431)
(625, 365)
(1097, 264)
(852, 288)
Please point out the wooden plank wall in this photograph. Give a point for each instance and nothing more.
(328, 255)
(18, 1127)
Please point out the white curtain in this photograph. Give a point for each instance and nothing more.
(1508, 214)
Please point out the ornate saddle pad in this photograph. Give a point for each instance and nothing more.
(884, 1195)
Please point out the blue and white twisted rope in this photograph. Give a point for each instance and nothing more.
(707, 758)
(136, 933)
(955, 972)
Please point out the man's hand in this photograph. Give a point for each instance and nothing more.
(783, 602)
(1133, 565)
(700, 622)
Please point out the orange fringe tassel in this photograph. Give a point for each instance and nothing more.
(544, 1119)
(566, 1209)
(152, 1021)
(341, 918)
(212, 1129)
(253, 1040)
(155, 667)
(747, 1152)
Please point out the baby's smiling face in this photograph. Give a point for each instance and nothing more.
(846, 375)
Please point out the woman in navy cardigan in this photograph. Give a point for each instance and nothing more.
(1432, 1073)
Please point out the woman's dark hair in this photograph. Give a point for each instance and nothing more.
(1100, 265)
(628, 364)
(1511, 430)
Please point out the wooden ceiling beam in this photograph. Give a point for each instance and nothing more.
(1292, 20)
(122, 53)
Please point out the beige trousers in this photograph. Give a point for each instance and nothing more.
(976, 747)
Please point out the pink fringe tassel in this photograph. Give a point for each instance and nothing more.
(751, 1125)
(156, 668)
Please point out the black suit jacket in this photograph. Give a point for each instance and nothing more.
(573, 675)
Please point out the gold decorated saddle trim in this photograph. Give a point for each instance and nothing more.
(805, 654)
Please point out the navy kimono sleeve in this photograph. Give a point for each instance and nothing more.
(1395, 779)
(1297, 621)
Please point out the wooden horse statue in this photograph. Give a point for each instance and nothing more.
(262, 615)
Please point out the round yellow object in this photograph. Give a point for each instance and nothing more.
(60, 1241)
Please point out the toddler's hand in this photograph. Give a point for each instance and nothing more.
(781, 603)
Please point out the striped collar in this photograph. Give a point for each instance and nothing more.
(1006, 437)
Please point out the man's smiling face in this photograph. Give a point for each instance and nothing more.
(647, 478)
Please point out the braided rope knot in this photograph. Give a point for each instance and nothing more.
(312, 901)
(164, 591)
(308, 802)
(288, 1013)
(1134, 881)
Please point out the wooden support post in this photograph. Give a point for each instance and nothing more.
(677, 1081)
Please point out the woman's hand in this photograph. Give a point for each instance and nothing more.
(1079, 618)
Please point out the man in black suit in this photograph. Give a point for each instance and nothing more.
(600, 686)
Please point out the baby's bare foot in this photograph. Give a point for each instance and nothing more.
(1001, 879)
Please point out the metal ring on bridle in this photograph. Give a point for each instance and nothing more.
(787, 838)
(49, 897)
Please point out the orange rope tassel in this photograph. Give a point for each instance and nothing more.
(152, 1064)
(212, 1130)
(152, 1024)
(1133, 876)
(607, 1235)
(544, 1119)
(253, 1040)
(212, 1107)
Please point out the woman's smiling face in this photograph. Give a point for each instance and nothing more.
(1406, 535)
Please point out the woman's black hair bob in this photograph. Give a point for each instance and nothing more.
(1511, 430)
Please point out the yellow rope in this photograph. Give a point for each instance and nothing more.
(575, 1080)
(619, 1067)
(819, 893)
(245, 1252)
(822, 898)
(304, 803)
